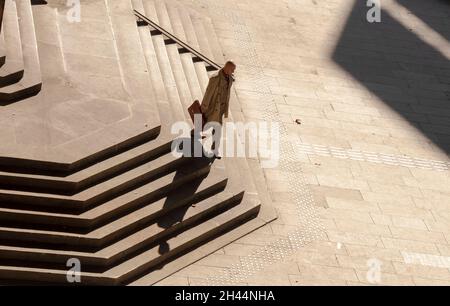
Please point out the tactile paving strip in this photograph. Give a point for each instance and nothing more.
(309, 227)
(373, 157)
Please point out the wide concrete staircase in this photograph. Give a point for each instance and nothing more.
(20, 76)
(135, 212)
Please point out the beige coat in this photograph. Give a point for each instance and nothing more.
(216, 102)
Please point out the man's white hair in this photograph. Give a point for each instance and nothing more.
(230, 62)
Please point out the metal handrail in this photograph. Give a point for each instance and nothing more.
(177, 40)
(2, 10)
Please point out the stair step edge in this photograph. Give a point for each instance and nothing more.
(119, 249)
(130, 269)
(92, 171)
(201, 233)
(97, 234)
(91, 193)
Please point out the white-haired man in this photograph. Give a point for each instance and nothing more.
(216, 102)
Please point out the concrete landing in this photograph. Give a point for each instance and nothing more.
(86, 104)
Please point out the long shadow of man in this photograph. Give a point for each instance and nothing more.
(185, 191)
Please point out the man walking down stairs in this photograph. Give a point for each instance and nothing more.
(216, 102)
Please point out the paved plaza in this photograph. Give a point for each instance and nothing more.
(372, 149)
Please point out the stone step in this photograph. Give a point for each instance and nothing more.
(162, 100)
(164, 106)
(31, 83)
(121, 249)
(114, 219)
(58, 169)
(50, 41)
(172, 70)
(202, 73)
(176, 60)
(197, 22)
(130, 53)
(162, 180)
(164, 63)
(188, 64)
(94, 195)
(89, 176)
(148, 260)
(213, 41)
(191, 38)
(13, 69)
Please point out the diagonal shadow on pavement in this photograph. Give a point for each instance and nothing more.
(402, 70)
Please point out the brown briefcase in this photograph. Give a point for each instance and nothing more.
(196, 109)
